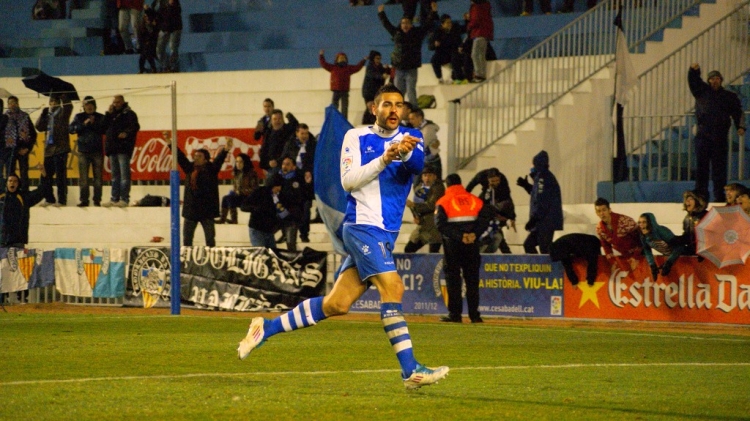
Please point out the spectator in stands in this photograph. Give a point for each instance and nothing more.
(407, 50)
(431, 143)
(341, 75)
(170, 32)
(89, 126)
(695, 205)
(528, 7)
(410, 9)
(715, 107)
(496, 194)
(426, 194)
(445, 41)
(743, 199)
(619, 233)
(54, 122)
(375, 76)
(661, 239)
(545, 211)
(148, 34)
(15, 205)
(122, 127)
(7, 152)
(129, 15)
(19, 134)
(481, 31)
(408, 108)
(295, 191)
(302, 149)
(48, 9)
(572, 246)
(730, 190)
(275, 139)
(244, 181)
(201, 201)
(112, 43)
(262, 205)
(264, 123)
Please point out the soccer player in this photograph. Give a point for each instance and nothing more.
(377, 166)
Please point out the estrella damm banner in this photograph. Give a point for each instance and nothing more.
(508, 286)
(693, 291)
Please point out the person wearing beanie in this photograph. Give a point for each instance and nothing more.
(545, 210)
(341, 75)
(715, 108)
(89, 126)
(461, 218)
(376, 74)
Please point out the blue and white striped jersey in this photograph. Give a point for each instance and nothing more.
(377, 193)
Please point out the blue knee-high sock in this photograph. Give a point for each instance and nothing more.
(307, 313)
(398, 333)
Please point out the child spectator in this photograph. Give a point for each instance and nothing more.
(341, 73)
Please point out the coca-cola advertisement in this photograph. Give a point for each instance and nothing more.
(152, 159)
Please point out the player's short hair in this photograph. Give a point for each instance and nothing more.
(387, 89)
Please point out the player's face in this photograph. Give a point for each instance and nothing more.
(389, 110)
(643, 225)
(12, 184)
(604, 213)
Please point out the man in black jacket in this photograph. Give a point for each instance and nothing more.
(715, 107)
(274, 141)
(406, 57)
(89, 125)
(121, 130)
(496, 194)
(201, 202)
(264, 204)
(15, 206)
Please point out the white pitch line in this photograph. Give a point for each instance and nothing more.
(318, 373)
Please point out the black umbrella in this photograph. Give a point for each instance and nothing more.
(47, 85)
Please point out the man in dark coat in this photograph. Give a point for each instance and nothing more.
(54, 122)
(715, 107)
(89, 125)
(275, 139)
(121, 130)
(201, 202)
(15, 206)
(495, 193)
(263, 207)
(302, 149)
(545, 211)
(407, 49)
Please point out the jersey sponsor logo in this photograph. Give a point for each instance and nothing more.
(369, 149)
(346, 164)
(366, 250)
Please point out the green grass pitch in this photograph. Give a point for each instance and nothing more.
(121, 367)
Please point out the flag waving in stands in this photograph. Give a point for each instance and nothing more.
(329, 194)
(625, 82)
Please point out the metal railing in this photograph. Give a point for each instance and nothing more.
(543, 75)
(658, 121)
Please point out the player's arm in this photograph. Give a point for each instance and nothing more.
(355, 175)
(411, 151)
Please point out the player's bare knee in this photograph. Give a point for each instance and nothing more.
(335, 307)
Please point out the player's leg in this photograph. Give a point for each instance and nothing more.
(391, 289)
(347, 289)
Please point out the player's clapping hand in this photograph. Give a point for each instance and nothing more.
(391, 153)
(407, 144)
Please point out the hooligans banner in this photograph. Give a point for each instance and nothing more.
(22, 269)
(252, 278)
(88, 272)
(231, 278)
(692, 292)
(508, 286)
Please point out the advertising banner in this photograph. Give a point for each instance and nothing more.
(152, 159)
(508, 286)
(692, 292)
(228, 278)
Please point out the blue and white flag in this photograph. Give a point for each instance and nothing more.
(329, 194)
(90, 272)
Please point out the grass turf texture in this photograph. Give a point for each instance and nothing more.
(126, 366)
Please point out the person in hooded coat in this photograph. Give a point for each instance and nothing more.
(545, 211)
(661, 239)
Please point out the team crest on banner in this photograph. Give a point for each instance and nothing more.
(88, 262)
(439, 284)
(21, 259)
(150, 275)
